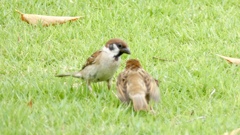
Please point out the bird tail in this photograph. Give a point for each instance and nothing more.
(139, 102)
(76, 74)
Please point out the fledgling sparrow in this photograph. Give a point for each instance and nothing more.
(102, 64)
(135, 84)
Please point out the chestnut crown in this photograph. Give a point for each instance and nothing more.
(133, 64)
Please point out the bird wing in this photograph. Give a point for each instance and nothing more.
(152, 85)
(122, 87)
(92, 59)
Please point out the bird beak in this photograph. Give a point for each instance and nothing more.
(125, 50)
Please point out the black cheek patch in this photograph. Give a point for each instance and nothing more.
(111, 47)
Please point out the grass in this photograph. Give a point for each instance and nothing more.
(200, 92)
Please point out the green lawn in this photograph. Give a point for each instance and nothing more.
(200, 92)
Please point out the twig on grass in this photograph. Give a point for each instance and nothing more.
(198, 118)
(161, 59)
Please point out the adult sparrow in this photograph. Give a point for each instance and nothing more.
(135, 84)
(102, 64)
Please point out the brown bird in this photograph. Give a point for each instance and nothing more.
(135, 84)
(102, 64)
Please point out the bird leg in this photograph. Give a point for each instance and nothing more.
(89, 85)
(151, 110)
(109, 83)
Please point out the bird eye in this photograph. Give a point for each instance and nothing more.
(119, 45)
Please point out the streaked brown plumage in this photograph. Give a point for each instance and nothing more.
(135, 84)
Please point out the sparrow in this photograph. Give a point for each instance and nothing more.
(136, 85)
(102, 64)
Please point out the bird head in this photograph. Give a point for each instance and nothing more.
(118, 47)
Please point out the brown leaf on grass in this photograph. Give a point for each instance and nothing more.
(234, 132)
(46, 20)
(230, 59)
(30, 103)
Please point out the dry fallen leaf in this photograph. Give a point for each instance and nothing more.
(46, 20)
(234, 132)
(230, 60)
